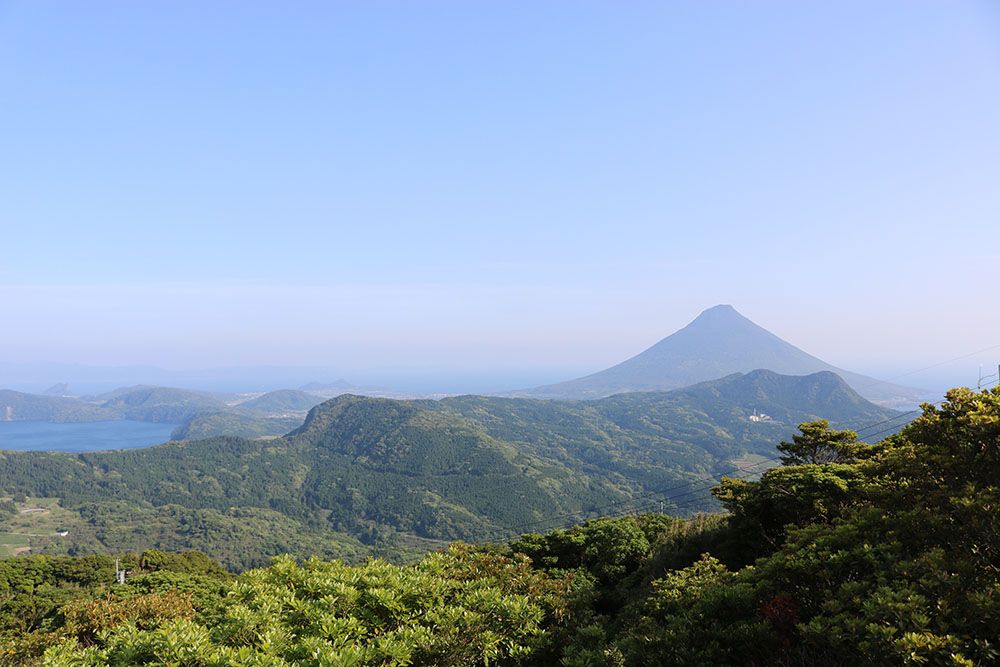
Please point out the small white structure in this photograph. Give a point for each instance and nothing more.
(758, 417)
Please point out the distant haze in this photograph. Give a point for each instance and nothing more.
(486, 196)
(718, 343)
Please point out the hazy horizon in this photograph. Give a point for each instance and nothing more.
(484, 198)
(935, 376)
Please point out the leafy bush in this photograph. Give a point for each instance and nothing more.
(870, 556)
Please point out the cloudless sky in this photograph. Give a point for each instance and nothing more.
(495, 187)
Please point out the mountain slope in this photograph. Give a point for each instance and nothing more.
(271, 414)
(58, 389)
(18, 406)
(717, 343)
(161, 404)
(281, 401)
(789, 398)
(140, 403)
(239, 424)
(387, 471)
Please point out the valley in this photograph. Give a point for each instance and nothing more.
(499, 334)
(366, 476)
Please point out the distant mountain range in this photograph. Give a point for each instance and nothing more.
(19, 406)
(271, 414)
(366, 474)
(168, 405)
(199, 414)
(717, 343)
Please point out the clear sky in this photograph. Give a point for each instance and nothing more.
(495, 187)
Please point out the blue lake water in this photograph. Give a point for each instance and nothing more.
(89, 437)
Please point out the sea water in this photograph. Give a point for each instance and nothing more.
(85, 437)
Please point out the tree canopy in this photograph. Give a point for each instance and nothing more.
(888, 557)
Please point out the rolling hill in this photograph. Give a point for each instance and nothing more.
(139, 403)
(719, 342)
(281, 401)
(162, 404)
(365, 475)
(271, 414)
(19, 406)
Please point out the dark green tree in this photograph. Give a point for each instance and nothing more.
(821, 444)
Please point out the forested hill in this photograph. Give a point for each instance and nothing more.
(280, 401)
(139, 403)
(788, 397)
(847, 554)
(271, 414)
(199, 414)
(19, 406)
(364, 474)
(161, 404)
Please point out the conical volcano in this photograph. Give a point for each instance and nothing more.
(717, 343)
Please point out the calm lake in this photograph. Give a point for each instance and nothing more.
(89, 437)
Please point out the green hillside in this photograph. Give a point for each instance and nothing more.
(281, 401)
(147, 404)
(271, 414)
(18, 406)
(366, 475)
(162, 404)
(239, 424)
(847, 554)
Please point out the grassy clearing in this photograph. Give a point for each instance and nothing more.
(12, 544)
(35, 518)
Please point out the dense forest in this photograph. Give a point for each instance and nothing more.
(367, 476)
(271, 414)
(847, 553)
(233, 423)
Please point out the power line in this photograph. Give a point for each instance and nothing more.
(987, 378)
(862, 429)
(927, 368)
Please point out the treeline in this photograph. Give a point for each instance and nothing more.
(847, 554)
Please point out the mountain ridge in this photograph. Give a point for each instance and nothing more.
(386, 471)
(717, 343)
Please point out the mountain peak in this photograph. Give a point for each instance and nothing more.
(719, 309)
(721, 314)
(719, 342)
(59, 389)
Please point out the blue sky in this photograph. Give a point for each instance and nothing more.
(488, 187)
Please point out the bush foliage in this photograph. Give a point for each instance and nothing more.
(846, 555)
